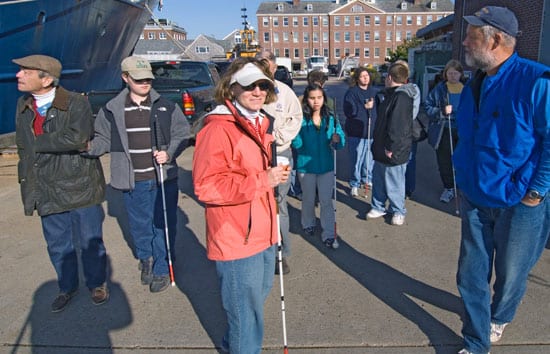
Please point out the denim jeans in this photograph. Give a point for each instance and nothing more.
(359, 152)
(295, 187)
(87, 226)
(410, 175)
(388, 183)
(245, 284)
(512, 239)
(146, 220)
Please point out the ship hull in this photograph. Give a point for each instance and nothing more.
(89, 37)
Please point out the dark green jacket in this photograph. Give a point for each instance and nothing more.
(54, 177)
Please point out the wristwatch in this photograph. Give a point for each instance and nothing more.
(534, 195)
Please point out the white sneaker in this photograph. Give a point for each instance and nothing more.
(398, 219)
(466, 351)
(354, 191)
(373, 214)
(496, 331)
(447, 195)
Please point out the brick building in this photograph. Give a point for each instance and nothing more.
(534, 22)
(154, 30)
(367, 29)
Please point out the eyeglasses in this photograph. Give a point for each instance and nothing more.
(263, 85)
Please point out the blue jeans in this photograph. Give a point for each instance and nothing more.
(87, 226)
(361, 161)
(388, 183)
(510, 238)
(146, 220)
(410, 175)
(295, 187)
(245, 284)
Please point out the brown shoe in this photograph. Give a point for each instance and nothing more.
(62, 300)
(100, 295)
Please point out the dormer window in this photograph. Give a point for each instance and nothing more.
(309, 7)
(280, 7)
(433, 5)
(403, 5)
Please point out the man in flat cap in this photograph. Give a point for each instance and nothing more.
(53, 126)
(502, 164)
(144, 133)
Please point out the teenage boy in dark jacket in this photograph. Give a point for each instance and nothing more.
(392, 144)
(65, 188)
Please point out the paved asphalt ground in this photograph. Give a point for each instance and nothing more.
(386, 290)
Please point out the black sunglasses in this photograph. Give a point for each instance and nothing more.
(263, 85)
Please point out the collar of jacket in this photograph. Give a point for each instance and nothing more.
(60, 101)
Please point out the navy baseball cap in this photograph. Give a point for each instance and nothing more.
(499, 17)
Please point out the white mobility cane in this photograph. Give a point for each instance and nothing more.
(285, 162)
(452, 164)
(367, 158)
(167, 238)
(335, 244)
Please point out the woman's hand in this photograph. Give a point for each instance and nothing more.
(277, 175)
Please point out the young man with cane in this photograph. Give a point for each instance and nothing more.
(144, 133)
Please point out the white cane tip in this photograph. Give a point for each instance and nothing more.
(335, 244)
(173, 283)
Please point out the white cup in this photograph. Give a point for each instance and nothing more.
(283, 160)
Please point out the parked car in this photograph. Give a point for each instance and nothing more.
(222, 66)
(190, 84)
(282, 74)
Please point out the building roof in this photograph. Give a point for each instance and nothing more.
(159, 45)
(388, 6)
(446, 21)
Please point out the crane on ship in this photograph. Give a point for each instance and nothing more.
(247, 45)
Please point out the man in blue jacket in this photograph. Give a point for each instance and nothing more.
(502, 164)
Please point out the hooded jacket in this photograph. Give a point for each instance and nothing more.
(169, 130)
(53, 176)
(230, 177)
(393, 128)
(357, 117)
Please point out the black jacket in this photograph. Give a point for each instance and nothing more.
(393, 127)
(54, 177)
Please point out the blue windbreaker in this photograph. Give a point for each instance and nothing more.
(504, 134)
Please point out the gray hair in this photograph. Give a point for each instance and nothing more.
(43, 74)
(489, 31)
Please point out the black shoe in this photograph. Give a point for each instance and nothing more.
(146, 266)
(329, 242)
(286, 268)
(159, 283)
(309, 231)
(62, 300)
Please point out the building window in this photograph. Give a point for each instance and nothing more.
(266, 36)
(309, 7)
(337, 52)
(357, 37)
(287, 53)
(346, 52)
(151, 35)
(367, 36)
(356, 52)
(325, 21)
(315, 21)
(295, 37)
(376, 36)
(366, 52)
(295, 21)
(439, 17)
(346, 21)
(285, 21)
(277, 52)
(325, 37)
(141, 36)
(306, 52)
(357, 20)
(377, 20)
(367, 20)
(419, 20)
(429, 19)
(388, 36)
(280, 7)
(162, 35)
(409, 20)
(296, 53)
(346, 37)
(315, 37)
(265, 21)
(337, 20)
(408, 35)
(399, 20)
(388, 50)
(337, 36)
(276, 37)
(315, 51)
(285, 36)
(306, 37)
(325, 52)
(389, 20)
(377, 52)
(305, 20)
(275, 21)
(398, 36)
(433, 5)
(202, 50)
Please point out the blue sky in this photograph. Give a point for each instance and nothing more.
(215, 18)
